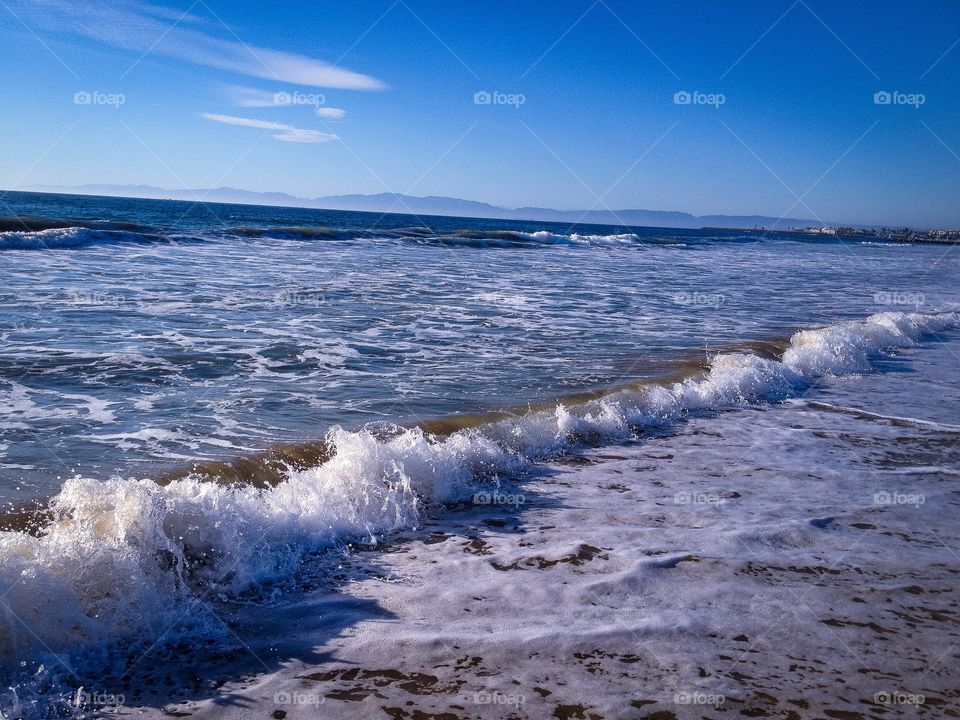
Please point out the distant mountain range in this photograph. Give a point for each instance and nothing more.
(437, 205)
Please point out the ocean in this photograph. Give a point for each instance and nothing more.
(222, 422)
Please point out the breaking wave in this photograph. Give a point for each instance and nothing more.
(122, 557)
(425, 235)
(72, 237)
(27, 234)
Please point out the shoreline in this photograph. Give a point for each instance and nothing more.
(664, 578)
(934, 237)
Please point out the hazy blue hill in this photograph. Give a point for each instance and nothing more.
(439, 205)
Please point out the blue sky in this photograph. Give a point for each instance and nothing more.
(329, 98)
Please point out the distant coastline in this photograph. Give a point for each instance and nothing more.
(436, 205)
(902, 235)
(456, 207)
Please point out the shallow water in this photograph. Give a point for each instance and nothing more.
(425, 359)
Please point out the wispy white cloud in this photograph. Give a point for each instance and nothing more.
(249, 97)
(173, 15)
(156, 30)
(252, 97)
(287, 133)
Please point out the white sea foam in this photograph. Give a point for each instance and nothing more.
(68, 237)
(544, 236)
(36, 239)
(126, 555)
(51, 238)
(75, 237)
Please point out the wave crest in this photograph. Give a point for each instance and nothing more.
(71, 237)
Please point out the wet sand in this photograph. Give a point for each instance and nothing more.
(732, 569)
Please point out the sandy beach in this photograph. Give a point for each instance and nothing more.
(721, 570)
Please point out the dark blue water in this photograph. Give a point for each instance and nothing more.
(203, 220)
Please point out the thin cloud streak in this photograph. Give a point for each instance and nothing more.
(252, 97)
(286, 133)
(248, 97)
(147, 28)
